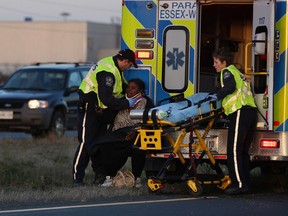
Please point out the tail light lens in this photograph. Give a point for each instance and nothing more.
(144, 54)
(269, 143)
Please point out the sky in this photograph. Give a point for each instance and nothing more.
(100, 11)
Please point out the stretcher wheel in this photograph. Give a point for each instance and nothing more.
(225, 182)
(154, 185)
(195, 188)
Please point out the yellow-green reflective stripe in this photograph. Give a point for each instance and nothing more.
(281, 108)
(128, 33)
(282, 24)
(191, 25)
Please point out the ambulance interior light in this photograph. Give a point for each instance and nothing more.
(144, 54)
(269, 143)
(144, 33)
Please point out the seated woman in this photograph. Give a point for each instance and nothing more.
(117, 145)
(135, 89)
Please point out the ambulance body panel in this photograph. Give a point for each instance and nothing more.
(174, 41)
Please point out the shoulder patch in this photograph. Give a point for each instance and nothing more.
(226, 74)
(94, 67)
(109, 81)
(242, 76)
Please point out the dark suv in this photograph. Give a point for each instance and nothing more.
(41, 99)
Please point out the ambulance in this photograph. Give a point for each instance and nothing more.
(174, 41)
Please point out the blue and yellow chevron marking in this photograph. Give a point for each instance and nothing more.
(192, 28)
(133, 18)
(281, 71)
(191, 25)
(136, 16)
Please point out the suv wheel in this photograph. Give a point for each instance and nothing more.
(57, 126)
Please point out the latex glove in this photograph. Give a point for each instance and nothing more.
(212, 97)
(132, 101)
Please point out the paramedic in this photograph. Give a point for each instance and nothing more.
(238, 104)
(100, 97)
(115, 157)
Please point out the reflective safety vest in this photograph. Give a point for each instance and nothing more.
(89, 83)
(242, 96)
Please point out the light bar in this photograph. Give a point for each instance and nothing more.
(144, 54)
(144, 44)
(269, 143)
(144, 33)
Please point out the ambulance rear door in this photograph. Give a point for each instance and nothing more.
(176, 47)
(263, 60)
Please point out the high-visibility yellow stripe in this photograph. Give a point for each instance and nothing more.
(282, 24)
(281, 97)
(191, 25)
(281, 107)
(128, 33)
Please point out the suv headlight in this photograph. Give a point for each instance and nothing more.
(36, 104)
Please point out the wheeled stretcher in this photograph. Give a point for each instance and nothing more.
(180, 116)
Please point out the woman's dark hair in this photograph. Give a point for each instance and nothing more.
(139, 83)
(223, 54)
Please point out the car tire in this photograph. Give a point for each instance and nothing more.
(56, 129)
(57, 126)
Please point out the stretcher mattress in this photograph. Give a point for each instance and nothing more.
(182, 111)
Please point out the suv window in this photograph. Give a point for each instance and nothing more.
(74, 79)
(37, 79)
(84, 73)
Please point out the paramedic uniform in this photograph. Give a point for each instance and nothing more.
(100, 89)
(239, 106)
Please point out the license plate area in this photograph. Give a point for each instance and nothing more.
(6, 114)
(211, 142)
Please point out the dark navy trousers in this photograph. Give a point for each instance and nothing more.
(90, 126)
(242, 125)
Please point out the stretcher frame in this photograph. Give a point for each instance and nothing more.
(150, 139)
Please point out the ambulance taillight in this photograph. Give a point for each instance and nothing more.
(144, 54)
(269, 143)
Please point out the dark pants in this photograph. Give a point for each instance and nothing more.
(242, 126)
(114, 151)
(90, 126)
